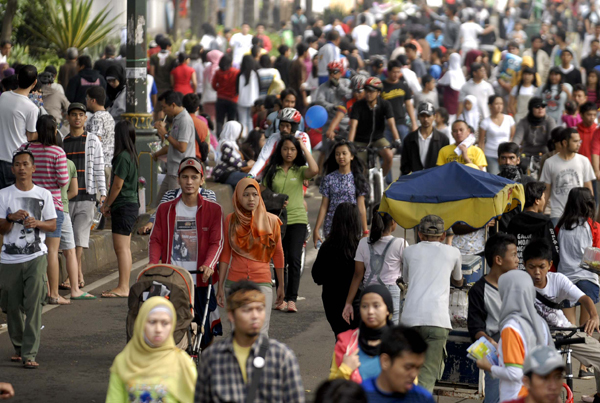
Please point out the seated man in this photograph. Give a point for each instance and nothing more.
(464, 151)
(552, 289)
(543, 371)
(402, 354)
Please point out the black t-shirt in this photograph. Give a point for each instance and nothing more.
(573, 77)
(397, 94)
(364, 114)
(590, 62)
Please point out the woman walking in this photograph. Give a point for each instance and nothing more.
(494, 130)
(247, 90)
(334, 267)
(252, 238)
(555, 93)
(450, 84)
(151, 367)
(224, 82)
(122, 203)
(116, 91)
(286, 172)
(209, 95)
(183, 77)
(378, 261)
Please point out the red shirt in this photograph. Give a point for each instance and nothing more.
(182, 76)
(266, 42)
(224, 83)
(587, 135)
(596, 143)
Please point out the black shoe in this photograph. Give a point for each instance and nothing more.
(585, 374)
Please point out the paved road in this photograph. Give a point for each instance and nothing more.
(79, 342)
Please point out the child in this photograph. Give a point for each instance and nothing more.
(484, 299)
(470, 113)
(593, 87)
(521, 329)
(345, 182)
(571, 118)
(429, 93)
(554, 288)
(441, 123)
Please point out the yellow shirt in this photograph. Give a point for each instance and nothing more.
(242, 354)
(475, 154)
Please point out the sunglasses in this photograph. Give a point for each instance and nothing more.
(539, 106)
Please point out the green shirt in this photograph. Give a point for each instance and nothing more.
(63, 191)
(126, 169)
(290, 183)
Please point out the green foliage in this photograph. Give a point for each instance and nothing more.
(70, 24)
(334, 12)
(21, 54)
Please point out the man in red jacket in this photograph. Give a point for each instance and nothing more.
(188, 231)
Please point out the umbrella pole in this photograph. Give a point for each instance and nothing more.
(485, 265)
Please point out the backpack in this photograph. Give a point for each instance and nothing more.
(201, 147)
(376, 262)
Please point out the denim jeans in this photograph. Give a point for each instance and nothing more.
(493, 167)
(402, 132)
(492, 389)
(395, 291)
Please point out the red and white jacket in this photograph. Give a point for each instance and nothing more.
(209, 226)
(268, 150)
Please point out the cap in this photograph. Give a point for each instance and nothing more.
(535, 102)
(426, 108)
(191, 162)
(431, 225)
(542, 360)
(77, 105)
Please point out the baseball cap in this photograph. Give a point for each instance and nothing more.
(191, 162)
(542, 360)
(431, 225)
(77, 105)
(426, 108)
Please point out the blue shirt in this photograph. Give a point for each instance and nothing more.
(417, 394)
(370, 367)
(434, 43)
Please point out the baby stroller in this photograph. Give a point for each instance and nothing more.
(177, 285)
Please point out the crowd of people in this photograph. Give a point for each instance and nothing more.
(462, 84)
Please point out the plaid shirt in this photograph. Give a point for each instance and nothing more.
(220, 378)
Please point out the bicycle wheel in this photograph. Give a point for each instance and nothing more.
(377, 188)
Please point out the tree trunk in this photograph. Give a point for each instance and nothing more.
(264, 13)
(309, 6)
(11, 10)
(198, 16)
(248, 15)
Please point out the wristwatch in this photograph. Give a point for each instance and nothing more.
(166, 136)
(8, 219)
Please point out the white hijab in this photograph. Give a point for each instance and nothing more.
(472, 116)
(454, 77)
(230, 135)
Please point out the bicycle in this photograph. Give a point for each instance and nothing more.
(375, 178)
(531, 162)
(563, 340)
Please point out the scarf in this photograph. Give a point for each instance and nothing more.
(534, 121)
(229, 136)
(213, 57)
(253, 235)
(367, 334)
(139, 360)
(454, 77)
(518, 303)
(472, 55)
(511, 172)
(472, 116)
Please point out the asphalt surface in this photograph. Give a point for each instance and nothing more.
(79, 342)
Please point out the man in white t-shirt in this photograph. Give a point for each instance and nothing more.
(18, 117)
(26, 214)
(554, 288)
(361, 34)
(241, 43)
(429, 268)
(479, 88)
(565, 171)
(469, 34)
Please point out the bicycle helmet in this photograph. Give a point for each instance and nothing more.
(290, 115)
(357, 82)
(336, 65)
(373, 83)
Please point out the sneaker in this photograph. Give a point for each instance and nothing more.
(585, 374)
(281, 307)
(292, 307)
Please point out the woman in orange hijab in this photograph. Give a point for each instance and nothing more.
(252, 239)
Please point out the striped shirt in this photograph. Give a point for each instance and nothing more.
(75, 150)
(51, 171)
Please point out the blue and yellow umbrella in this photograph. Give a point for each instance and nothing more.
(455, 192)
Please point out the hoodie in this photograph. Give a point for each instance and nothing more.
(586, 133)
(529, 225)
(79, 84)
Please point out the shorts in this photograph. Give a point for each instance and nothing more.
(67, 240)
(123, 218)
(82, 216)
(590, 289)
(60, 218)
(382, 142)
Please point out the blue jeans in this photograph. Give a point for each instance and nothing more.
(60, 217)
(492, 389)
(402, 132)
(493, 167)
(395, 291)
(234, 178)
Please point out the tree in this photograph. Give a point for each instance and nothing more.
(7, 20)
(248, 12)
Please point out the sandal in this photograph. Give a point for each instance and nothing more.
(58, 301)
(81, 284)
(15, 358)
(64, 286)
(31, 365)
(84, 296)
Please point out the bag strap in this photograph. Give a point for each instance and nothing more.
(259, 366)
(547, 302)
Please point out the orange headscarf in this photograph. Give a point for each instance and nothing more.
(253, 235)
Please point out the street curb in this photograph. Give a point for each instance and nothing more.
(101, 254)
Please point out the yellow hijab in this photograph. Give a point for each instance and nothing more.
(139, 360)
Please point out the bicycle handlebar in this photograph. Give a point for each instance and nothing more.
(566, 329)
(568, 342)
(362, 149)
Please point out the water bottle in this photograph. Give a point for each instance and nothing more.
(97, 218)
(319, 243)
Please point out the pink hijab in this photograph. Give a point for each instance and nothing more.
(214, 56)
